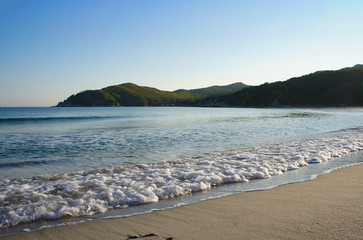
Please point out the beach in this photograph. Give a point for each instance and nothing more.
(328, 207)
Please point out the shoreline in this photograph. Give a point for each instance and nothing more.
(328, 207)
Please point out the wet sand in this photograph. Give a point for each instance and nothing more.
(329, 207)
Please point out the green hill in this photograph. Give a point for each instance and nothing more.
(319, 89)
(215, 90)
(129, 94)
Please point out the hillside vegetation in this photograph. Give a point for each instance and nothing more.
(129, 94)
(320, 89)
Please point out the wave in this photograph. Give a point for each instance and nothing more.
(48, 119)
(25, 163)
(86, 193)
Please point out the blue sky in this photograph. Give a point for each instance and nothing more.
(50, 49)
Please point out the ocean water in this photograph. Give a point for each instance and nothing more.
(87, 163)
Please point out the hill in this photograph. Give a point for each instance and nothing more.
(216, 90)
(319, 89)
(129, 94)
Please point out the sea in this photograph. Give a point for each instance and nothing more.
(62, 166)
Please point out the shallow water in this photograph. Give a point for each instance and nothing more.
(57, 162)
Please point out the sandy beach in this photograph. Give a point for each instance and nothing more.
(329, 207)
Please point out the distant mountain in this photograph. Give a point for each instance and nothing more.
(129, 94)
(343, 87)
(320, 89)
(216, 90)
(354, 67)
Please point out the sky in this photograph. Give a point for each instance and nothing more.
(51, 49)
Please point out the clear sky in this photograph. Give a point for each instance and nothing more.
(50, 49)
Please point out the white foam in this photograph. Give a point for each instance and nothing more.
(89, 192)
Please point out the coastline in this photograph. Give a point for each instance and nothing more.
(328, 207)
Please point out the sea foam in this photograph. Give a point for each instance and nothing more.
(89, 192)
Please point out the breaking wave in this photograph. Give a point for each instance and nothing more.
(85, 193)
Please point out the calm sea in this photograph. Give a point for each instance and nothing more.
(77, 162)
